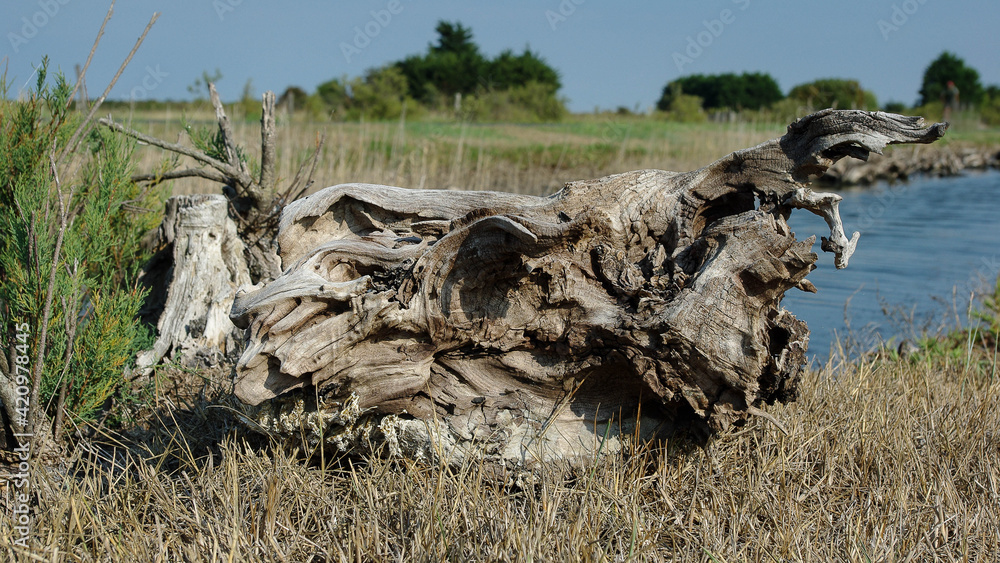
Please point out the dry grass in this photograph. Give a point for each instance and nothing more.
(534, 159)
(883, 461)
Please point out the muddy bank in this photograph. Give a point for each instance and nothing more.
(900, 164)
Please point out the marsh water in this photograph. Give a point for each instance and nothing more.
(925, 246)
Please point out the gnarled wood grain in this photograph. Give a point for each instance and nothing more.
(193, 279)
(527, 328)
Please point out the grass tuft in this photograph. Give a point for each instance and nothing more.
(882, 460)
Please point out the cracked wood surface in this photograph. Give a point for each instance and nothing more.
(525, 328)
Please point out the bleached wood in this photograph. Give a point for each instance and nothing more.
(268, 149)
(202, 265)
(521, 328)
(255, 203)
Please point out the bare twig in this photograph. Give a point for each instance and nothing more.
(36, 375)
(245, 182)
(178, 148)
(69, 312)
(83, 73)
(232, 170)
(307, 181)
(227, 132)
(77, 135)
(206, 173)
(268, 151)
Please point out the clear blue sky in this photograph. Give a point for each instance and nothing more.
(609, 53)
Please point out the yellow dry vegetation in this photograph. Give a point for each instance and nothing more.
(881, 459)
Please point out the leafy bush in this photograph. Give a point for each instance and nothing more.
(989, 109)
(334, 94)
(834, 93)
(744, 91)
(687, 109)
(71, 220)
(532, 102)
(949, 67)
(380, 94)
(932, 111)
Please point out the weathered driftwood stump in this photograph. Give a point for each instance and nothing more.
(193, 278)
(521, 328)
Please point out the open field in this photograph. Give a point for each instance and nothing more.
(881, 458)
(533, 158)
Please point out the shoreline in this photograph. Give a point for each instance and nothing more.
(901, 164)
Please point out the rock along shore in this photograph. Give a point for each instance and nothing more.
(900, 164)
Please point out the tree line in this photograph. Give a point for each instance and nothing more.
(454, 78)
(947, 80)
(453, 75)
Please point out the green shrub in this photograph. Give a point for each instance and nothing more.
(989, 110)
(531, 103)
(933, 111)
(724, 91)
(834, 93)
(687, 109)
(894, 107)
(380, 95)
(70, 230)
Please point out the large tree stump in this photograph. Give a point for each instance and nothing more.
(522, 328)
(193, 279)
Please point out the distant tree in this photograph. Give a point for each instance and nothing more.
(508, 70)
(334, 93)
(379, 94)
(293, 98)
(834, 92)
(759, 90)
(894, 107)
(454, 38)
(744, 91)
(510, 86)
(454, 65)
(989, 109)
(949, 67)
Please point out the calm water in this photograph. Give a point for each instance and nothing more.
(925, 245)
